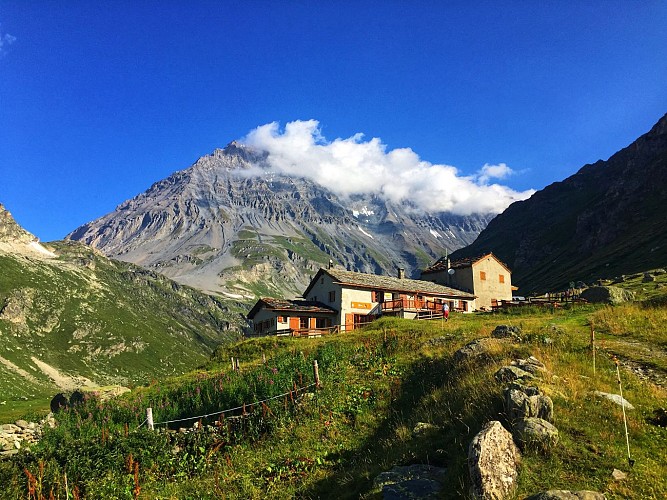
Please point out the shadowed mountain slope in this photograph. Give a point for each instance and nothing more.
(603, 221)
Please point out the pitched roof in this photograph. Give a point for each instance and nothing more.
(302, 306)
(388, 283)
(441, 264)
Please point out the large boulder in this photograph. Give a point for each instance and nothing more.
(535, 433)
(492, 461)
(59, 402)
(606, 295)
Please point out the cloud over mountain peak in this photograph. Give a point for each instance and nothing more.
(353, 165)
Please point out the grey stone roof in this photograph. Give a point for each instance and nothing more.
(392, 284)
(308, 306)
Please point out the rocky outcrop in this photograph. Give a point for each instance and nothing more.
(21, 434)
(492, 461)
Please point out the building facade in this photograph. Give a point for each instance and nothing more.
(489, 279)
(340, 300)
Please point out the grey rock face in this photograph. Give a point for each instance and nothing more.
(492, 461)
(228, 222)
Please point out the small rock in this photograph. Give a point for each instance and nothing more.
(480, 349)
(512, 373)
(506, 331)
(615, 398)
(424, 428)
(567, 495)
(22, 424)
(618, 475)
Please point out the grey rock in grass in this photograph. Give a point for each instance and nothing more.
(476, 350)
(615, 398)
(535, 433)
(531, 364)
(418, 481)
(512, 373)
(424, 429)
(519, 405)
(492, 462)
(618, 475)
(507, 331)
(567, 495)
(606, 295)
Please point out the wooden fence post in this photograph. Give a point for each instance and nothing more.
(233, 365)
(149, 418)
(316, 373)
(238, 365)
(593, 346)
(263, 358)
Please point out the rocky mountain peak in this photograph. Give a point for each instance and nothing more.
(10, 231)
(231, 224)
(16, 240)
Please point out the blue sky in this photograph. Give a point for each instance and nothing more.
(98, 100)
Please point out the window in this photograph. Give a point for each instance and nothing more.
(303, 322)
(482, 275)
(323, 322)
(282, 319)
(501, 278)
(375, 296)
(332, 296)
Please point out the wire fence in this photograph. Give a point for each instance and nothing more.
(291, 393)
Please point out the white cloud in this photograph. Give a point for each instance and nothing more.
(488, 172)
(355, 166)
(5, 41)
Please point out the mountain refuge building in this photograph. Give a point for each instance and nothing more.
(489, 279)
(340, 300)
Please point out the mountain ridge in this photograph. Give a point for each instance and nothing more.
(229, 224)
(603, 221)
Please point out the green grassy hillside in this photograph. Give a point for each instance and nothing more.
(83, 315)
(377, 384)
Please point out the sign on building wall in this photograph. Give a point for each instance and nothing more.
(361, 305)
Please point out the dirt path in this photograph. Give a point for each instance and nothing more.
(644, 360)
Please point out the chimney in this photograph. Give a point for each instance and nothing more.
(401, 273)
(331, 264)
